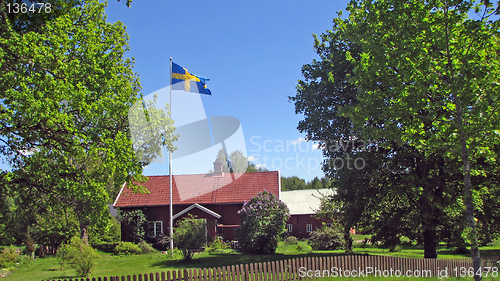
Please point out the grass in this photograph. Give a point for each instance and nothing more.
(108, 265)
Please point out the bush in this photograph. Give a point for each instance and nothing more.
(127, 248)
(263, 220)
(105, 246)
(218, 246)
(9, 257)
(146, 248)
(291, 240)
(134, 224)
(190, 234)
(325, 238)
(78, 255)
(161, 242)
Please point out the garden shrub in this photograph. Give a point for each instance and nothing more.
(218, 246)
(78, 255)
(190, 234)
(146, 248)
(134, 224)
(291, 240)
(161, 242)
(105, 246)
(325, 238)
(263, 220)
(9, 257)
(127, 248)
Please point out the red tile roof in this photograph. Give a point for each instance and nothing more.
(201, 189)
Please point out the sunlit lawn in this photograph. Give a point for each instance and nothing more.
(110, 265)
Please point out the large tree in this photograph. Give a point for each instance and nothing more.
(429, 73)
(396, 72)
(66, 91)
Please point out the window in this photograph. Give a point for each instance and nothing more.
(155, 228)
(328, 225)
(309, 227)
(289, 228)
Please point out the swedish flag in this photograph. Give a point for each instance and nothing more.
(185, 81)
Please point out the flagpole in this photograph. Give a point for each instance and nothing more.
(170, 173)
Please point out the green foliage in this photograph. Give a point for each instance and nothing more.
(190, 234)
(108, 233)
(325, 238)
(72, 145)
(296, 183)
(146, 248)
(292, 183)
(263, 220)
(78, 255)
(9, 256)
(423, 96)
(218, 246)
(236, 160)
(134, 224)
(127, 248)
(291, 240)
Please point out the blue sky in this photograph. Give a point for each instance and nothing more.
(252, 51)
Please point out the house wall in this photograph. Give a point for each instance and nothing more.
(299, 224)
(229, 218)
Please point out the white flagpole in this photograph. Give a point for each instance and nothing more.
(170, 173)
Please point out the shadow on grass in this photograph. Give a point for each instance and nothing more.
(219, 260)
(485, 253)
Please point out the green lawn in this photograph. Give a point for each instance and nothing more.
(108, 265)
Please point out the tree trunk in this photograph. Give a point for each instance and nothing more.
(476, 258)
(348, 239)
(430, 245)
(84, 231)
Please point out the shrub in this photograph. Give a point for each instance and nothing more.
(291, 240)
(146, 248)
(127, 248)
(325, 238)
(78, 255)
(9, 257)
(263, 220)
(134, 224)
(105, 246)
(161, 242)
(218, 246)
(190, 234)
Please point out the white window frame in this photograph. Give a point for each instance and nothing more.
(329, 225)
(289, 227)
(153, 230)
(309, 227)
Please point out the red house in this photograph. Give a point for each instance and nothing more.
(215, 197)
(303, 204)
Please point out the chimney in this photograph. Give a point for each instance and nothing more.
(218, 169)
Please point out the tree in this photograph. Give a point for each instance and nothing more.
(433, 85)
(72, 145)
(133, 225)
(252, 168)
(235, 163)
(395, 170)
(292, 183)
(263, 220)
(190, 234)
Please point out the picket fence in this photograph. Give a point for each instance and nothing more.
(312, 267)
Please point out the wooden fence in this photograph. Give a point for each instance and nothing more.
(312, 267)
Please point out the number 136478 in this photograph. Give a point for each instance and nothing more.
(24, 8)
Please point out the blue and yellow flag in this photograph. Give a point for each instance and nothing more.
(185, 81)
